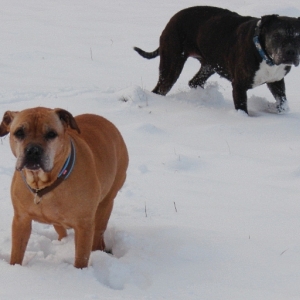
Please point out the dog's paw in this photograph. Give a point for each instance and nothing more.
(242, 113)
(277, 108)
(283, 108)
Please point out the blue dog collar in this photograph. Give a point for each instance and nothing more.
(258, 46)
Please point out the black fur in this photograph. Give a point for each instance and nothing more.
(223, 43)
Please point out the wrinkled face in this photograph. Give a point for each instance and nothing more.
(36, 139)
(282, 40)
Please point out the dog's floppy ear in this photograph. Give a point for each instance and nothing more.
(6, 121)
(67, 118)
(266, 19)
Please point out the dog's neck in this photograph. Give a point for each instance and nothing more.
(258, 46)
(40, 182)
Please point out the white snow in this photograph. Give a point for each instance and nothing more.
(210, 208)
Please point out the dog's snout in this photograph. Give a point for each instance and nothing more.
(33, 152)
(291, 56)
(290, 52)
(33, 158)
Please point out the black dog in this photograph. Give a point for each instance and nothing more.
(245, 50)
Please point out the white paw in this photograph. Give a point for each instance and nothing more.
(283, 108)
(278, 109)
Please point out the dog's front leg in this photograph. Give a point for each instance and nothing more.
(83, 245)
(239, 93)
(21, 230)
(277, 89)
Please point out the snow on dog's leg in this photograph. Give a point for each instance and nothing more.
(277, 89)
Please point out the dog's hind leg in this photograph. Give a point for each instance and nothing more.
(203, 74)
(170, 67)
(101, 219)
(103, 213)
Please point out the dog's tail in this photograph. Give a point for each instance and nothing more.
(148, 55)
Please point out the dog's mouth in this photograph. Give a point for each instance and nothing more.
(287, 62)
(29, 165)
(286, 59)
(290, 62)
(32, 166)
(33, 159)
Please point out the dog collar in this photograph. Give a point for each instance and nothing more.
(63, 174)
(258, 46)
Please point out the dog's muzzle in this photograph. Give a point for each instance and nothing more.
(33, 157)
(290, 56)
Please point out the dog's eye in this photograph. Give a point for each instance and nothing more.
(50, 135)
(20, 134)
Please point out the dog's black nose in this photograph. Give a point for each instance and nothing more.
(290, 52)
(33, 152)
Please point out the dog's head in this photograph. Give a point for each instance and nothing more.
(37, 136)
(281, 38)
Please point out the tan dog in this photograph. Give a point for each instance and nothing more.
(68, 172)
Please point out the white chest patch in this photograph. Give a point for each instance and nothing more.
(267, 73)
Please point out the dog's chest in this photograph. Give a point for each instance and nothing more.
(267, 73)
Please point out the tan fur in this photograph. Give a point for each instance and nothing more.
(84, 200)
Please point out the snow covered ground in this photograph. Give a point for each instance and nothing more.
(210, 209)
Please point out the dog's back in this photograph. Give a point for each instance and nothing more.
(196, 27)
